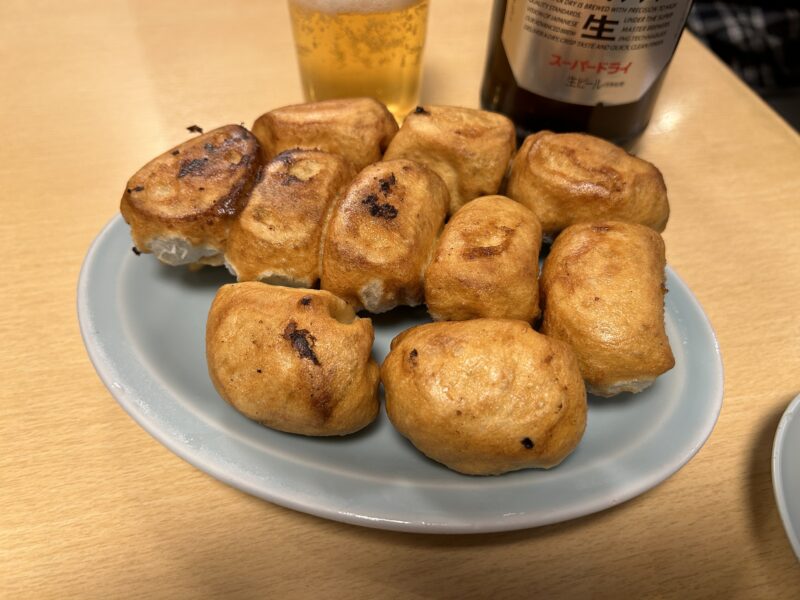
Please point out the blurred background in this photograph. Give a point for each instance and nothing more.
(760, 41)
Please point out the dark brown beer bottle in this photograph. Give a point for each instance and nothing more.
(568, 65)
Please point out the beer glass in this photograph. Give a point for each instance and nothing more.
(351, 48)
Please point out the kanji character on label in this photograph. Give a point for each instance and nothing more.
(599, 26)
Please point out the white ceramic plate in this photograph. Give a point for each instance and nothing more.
(143, 324)
(786, 472)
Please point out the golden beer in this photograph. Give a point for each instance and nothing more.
(350, 48)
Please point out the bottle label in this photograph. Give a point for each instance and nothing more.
(596, 52)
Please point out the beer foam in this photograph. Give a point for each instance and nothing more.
(354, 6)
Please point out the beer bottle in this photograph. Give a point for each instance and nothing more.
(569, 65)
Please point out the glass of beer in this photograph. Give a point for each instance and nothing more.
(351, 48)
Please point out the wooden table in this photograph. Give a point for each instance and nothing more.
(92, 506)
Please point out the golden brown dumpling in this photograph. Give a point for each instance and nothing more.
(292, 359)
(180, 205)
(278, 235)
(469, 149)
(486, 263)
(485, 396)
(571, 178)
(359, 129)
(603, 292)
(381, 235)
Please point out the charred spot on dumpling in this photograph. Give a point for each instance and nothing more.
(302, 341)
(138, 188)
(387, 184)
(412, 356)
(420, 110)
(527, 442)
(136, 251)
(378, 209)
(305, 301)
(176, 152)
(194, 166)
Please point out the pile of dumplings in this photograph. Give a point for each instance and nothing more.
(333, 195)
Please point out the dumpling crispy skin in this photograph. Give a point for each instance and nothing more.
(603, 292)
(381, 236)
(486, 263)
(294, 360)
(181, 204)
(469, 149)
(486, 396)
(359, 129)
(575, 178)
(278, 235)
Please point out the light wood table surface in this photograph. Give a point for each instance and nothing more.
(91, 506)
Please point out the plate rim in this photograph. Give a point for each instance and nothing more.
(787, 417)
(125, 397)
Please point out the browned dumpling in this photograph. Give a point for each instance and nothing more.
(181, 204)
(292, 359)
(381, 235)
(575, 178)
(603, 292)
(469, 149)
(278, 235)
(485, 396)
(359, 129)
(486, 263)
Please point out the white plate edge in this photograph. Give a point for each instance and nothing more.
(777, 473)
